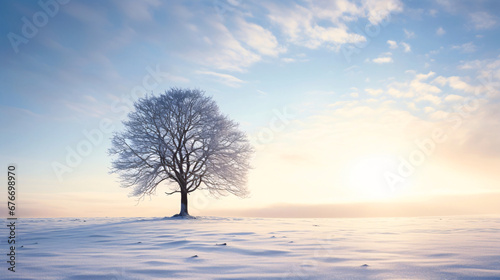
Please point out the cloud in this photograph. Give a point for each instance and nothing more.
(222, 51)
(258, 38)
(465, 48)
(406, 47)
(455, 82)
(87, 14)
(429, 109)
(321, 92)
(438, 115)
(478, 15)
(395, 92)
(412, 106)
(453, 98)
(288, 59)
(484, 84)
(300, 25)
(175, 78)
(475, 64)
(409, 34)
(383, 59)
(379, 10)
(482, 20)
(392, 44)
(349, 131)
(444, 92)
(316, 24)
(225, 79)
(374, 92)
(429, 97)
(90, 98)
(421, 77)
(417, 89)
(331, 140)
(138, 10)
(440, 31)
(424, 91)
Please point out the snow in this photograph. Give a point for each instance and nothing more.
(256, 248)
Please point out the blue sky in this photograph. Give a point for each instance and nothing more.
(333, 94)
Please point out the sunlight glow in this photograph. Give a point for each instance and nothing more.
(366, 177)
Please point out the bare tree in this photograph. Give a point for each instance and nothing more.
(180, 138)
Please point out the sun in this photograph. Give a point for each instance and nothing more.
(366, 177)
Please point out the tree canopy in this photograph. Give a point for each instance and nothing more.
(180, 138)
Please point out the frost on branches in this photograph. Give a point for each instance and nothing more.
(180, 138)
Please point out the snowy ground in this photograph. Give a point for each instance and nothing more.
(158, 248)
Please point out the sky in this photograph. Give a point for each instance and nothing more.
(354, 108)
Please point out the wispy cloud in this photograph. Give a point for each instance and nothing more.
(466, 47)
(88, 14)
(138, 10)
(223, 51)
(258, 38)
(392, 44)
(409, 34)
(288, 59)
(453, 98)
(482, 20)
(383, 58)
(175, 78)
(225, 79)
(406, 47)
(440, 31)
(374, 92)
(321, 92)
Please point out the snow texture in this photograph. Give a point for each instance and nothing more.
(166, 248)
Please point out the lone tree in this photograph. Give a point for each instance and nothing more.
(180, 138)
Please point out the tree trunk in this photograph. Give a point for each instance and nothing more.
(184, 203)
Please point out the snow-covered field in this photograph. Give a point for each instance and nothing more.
(253, 248)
